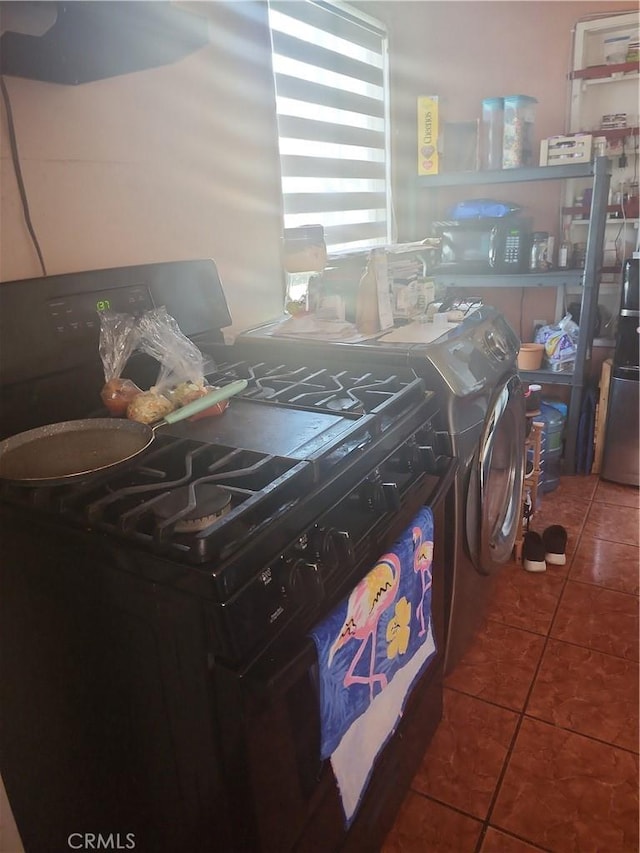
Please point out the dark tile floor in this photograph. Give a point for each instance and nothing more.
(538, 745)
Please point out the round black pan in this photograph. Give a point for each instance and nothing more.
(73, 450)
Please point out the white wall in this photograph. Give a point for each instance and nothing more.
(170, 163)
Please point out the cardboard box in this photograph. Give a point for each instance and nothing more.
(428, 130)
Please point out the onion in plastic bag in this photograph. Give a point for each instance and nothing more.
(118, 337)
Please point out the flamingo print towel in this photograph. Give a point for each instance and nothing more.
(371, 649)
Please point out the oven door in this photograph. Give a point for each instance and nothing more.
(296, 801)
(494, 497)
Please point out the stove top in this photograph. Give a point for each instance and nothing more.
(294, 440)
(305, 412)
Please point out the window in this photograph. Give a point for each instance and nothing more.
(330, 66)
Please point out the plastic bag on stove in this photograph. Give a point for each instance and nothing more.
(181, 378)
(118, 338)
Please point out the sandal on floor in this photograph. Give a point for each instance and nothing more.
(554, 539)
(533, 552)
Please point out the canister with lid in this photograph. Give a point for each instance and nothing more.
(492, 129)
(304, 253)
(517, 136)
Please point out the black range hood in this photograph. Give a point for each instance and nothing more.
(95, 40)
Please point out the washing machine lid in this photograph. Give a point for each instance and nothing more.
(494, 499)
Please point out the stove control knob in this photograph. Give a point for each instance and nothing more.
(391, 496)
(412, 457)
(304, 582)
(336, 548)
(372, 496)
(420, 457)
(429, 458)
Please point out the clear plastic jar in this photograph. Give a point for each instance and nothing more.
(517, 136)
(579, 255)
(539, 260)
(305, 253)
(492, 129)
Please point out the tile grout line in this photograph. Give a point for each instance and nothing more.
(522, 714)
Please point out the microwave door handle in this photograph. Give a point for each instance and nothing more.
(493, 247)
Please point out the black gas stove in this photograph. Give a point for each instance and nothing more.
(238, 532)
(232, 504)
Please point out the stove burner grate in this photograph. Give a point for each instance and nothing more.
(321, 389)
(195, 506)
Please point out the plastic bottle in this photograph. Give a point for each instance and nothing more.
(532, 398)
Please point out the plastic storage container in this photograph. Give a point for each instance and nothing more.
(517, 135)
(492, 130)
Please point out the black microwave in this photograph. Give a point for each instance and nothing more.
(479, 246)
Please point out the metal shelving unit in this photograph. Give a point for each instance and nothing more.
(599, 171)
(603, 101)
(507, 176)
(557, 278)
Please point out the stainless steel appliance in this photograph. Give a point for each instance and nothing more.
(620, 458)
(481, 422)
(158, 678)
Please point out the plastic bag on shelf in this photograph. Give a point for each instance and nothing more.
(560, 343)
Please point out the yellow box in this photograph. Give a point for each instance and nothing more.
(428, 130)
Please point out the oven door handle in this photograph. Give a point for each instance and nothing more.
(275, 673)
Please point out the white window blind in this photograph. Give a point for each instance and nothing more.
(330, 66)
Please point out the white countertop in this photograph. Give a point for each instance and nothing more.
(417, 333)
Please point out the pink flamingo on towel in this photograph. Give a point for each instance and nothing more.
(422, 559)
(368, 601)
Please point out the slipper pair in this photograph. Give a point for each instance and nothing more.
(538, 550)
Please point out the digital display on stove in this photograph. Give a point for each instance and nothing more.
(78, 313)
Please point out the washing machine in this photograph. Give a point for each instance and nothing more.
(471, 365)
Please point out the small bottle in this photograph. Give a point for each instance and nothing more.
(564, 252)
